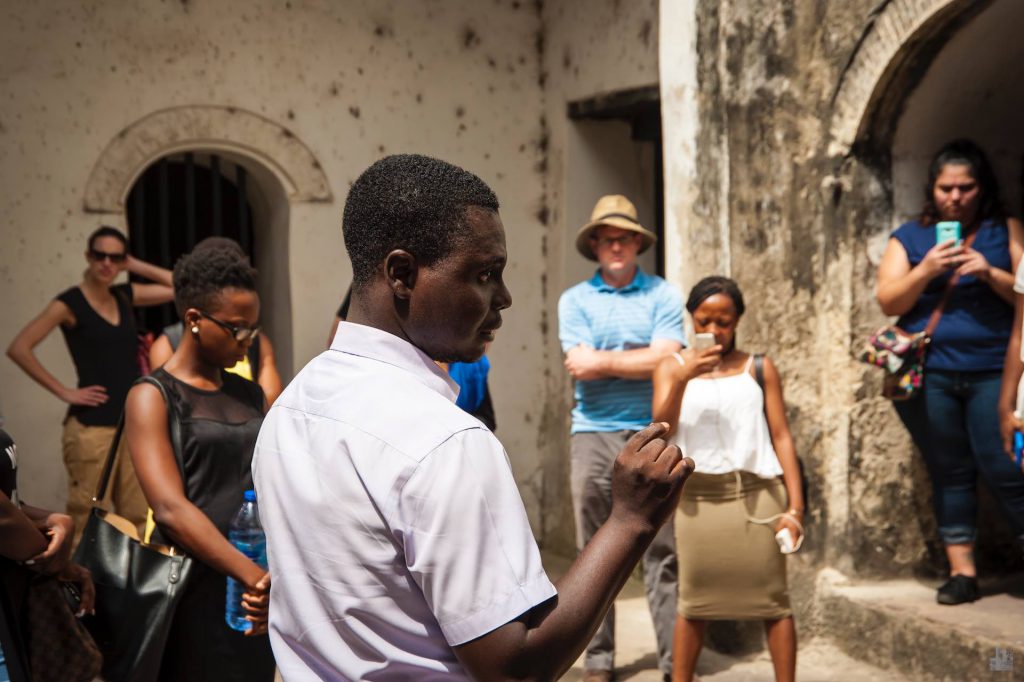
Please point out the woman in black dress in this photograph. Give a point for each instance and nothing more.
(220, 416)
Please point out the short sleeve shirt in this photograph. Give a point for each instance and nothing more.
(603, 317)
(394, 525)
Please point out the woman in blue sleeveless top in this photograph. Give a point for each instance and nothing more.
(954, 420)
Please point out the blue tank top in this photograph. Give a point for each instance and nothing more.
(975, 327)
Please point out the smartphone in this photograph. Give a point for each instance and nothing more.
(704, 341)
(947, 230)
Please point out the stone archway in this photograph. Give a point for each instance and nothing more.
(898, 99)
(220, 128)
(283, 170)
(897, 45)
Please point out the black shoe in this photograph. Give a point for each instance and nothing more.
(959, 589)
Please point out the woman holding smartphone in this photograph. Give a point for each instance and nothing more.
(96, 319)
(953, 419)
(726, 411)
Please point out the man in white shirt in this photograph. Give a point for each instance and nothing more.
(397, 539)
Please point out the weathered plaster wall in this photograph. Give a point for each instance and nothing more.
(588, 47)
(352, 81)
(763, 213)
(792, 196)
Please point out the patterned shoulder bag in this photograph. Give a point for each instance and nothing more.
(901, 353)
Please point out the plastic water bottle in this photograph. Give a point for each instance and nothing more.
(246, 534)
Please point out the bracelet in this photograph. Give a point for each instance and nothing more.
(794, 510)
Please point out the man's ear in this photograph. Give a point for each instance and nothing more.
(400, 269)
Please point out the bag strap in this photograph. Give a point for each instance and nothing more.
(173, 426)
(759, 369)
(933, 321)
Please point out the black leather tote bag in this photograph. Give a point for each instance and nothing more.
(138, 585)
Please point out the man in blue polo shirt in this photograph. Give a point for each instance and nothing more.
(614, 329)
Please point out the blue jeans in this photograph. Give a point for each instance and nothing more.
(954, 422)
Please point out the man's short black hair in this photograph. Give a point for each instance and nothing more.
(411, 202)
(201, 276)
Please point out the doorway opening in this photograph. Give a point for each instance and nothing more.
(615, 147)
(973, 88)
(177, 202)
(184, 197)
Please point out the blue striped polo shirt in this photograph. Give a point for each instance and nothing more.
(605, 318)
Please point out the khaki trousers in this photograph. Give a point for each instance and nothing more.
(85, 449)
(593, 456)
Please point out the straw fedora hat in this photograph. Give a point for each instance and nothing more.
(613, 210)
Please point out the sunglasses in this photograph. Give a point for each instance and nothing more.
(100, 256)
(237, 332)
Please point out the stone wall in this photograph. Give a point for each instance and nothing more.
(305, 95)
(588, 48)
(790, 192)
(349, 82)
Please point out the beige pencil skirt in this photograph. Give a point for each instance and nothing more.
(729, 567)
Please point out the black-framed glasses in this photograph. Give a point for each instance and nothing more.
(99, 256)
(239, 333)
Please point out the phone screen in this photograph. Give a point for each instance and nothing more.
(947, 230)
(704, 341)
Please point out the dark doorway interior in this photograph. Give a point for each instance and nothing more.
(641, 109)
(178, 201)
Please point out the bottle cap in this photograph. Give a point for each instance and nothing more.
(250, 495)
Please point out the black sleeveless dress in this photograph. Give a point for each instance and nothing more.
(218, 432)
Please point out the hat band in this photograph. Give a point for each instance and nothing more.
(617, 215)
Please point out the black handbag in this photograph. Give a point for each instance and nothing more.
(138, 585)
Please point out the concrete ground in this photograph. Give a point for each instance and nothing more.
(636, 657)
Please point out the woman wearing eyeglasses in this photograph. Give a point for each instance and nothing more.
(259, 364)
(96, 319)
(219, 415)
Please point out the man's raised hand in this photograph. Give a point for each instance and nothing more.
(648, 478)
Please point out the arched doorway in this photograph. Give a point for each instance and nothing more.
(184, 197)
(177, 202)
(973, 88)
(927, 71)
(279, 171)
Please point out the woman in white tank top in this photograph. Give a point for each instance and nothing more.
(745, 489)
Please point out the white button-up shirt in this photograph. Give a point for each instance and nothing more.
(395, 529)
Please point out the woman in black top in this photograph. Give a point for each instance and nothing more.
(220, 416)
(259, 365)
(96, 319)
